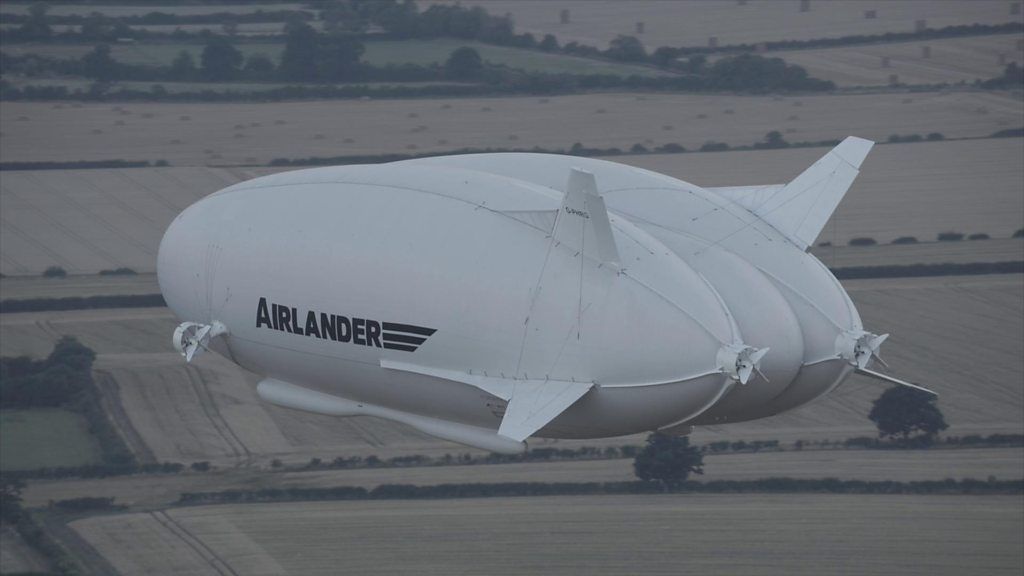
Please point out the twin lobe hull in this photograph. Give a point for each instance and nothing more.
(329, 278)
(515, 295)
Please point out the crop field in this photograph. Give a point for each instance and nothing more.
(255, 133)
(16, 557)
(903, 190)
(942, 329)
(120, 10)
(91, 220)
(809, 534)
(378, 53)
(924, 252)
(950, 60)
(692, 23)
(45, 437)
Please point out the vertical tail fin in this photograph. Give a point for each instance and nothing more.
(801, 208)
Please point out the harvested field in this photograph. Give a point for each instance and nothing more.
(24, 287)
(205, 134)
(869, 465)
(16, 557)
(651, 535)
(950, 60)
(378, 53)
(120, 10)
(90, 220)
(598, 22)
(903, 190)
(924, 252)
(995, 250)
(943, 328)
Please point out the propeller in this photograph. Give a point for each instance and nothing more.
(191, 338)
(740, 361)
(859, 347)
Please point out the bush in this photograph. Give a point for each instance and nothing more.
(862, 241)
(905, 240)
(55, 272)
(979, 236)
(950, 236)
(203, 466)
(122, 271)
(1019, 233)
(668, 459)
(935, 136)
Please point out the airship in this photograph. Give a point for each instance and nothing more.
(488, 298)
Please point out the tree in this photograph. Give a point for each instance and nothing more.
(627, 49)
(549, 43)
(299, 58)
(36, 27)
(10, 499)
(183, 67)
(902, 411)
(668, 459)
(220, 60)
(464, 63)
(338, 56)
(99, 64)
(259, 65)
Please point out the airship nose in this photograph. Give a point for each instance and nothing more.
(183, 262)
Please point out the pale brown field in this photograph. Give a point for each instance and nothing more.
(691, 23)
(905, 466)
(247, 133)
(951, 60)
(925, 252)
(90, 220)
(961, 336)
(903, 190)
(118, 10)
(16, 556)
(730, 534)
(995, 250)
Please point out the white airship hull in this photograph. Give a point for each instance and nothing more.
(488, 298)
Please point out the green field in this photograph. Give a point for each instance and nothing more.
(32, 439)
(378, 53)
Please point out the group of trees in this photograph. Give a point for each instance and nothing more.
(60, 379)
(908, 416)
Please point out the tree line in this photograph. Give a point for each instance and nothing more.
(62, 380)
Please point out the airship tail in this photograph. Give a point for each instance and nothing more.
(800, 209)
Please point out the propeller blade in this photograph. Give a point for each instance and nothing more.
(891, 380)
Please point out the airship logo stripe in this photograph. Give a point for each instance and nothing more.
(403, 347)
(394, 327)
(390, 337)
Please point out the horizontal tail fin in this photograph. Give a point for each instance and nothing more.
(800, 209)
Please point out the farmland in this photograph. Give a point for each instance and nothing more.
(31, 439)
(598, 22)
(942, 328)
(650, 534)
(378, 53)
(91, 220)
(252, 133)
(950, 60)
